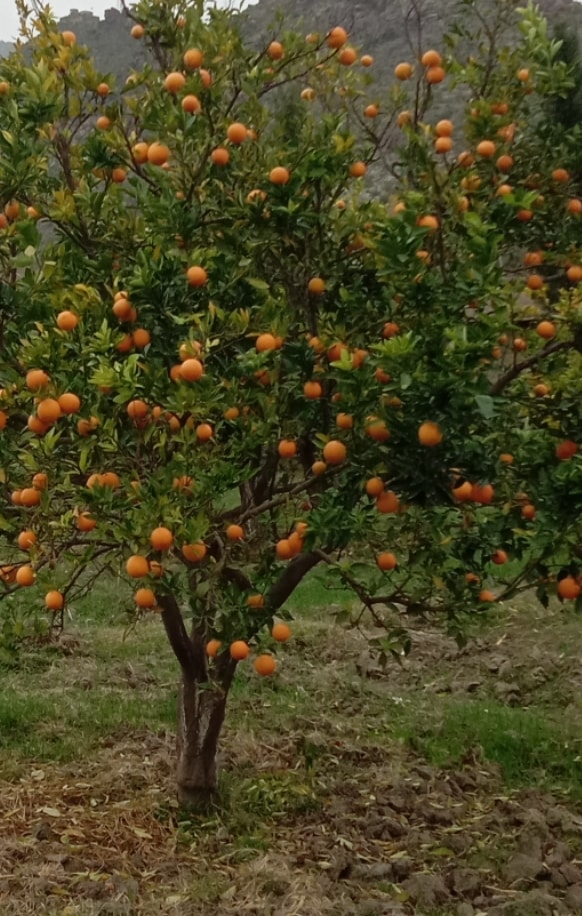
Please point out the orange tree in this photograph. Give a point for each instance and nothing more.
(223, 364)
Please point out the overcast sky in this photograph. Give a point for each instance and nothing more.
(9, 19)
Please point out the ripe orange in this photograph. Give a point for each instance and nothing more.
(103, 123)
(191, 104)
(574, 206)
(69, 403)
(145, 598)
(161, 538)
(334, 452)
(387, 561)
(140, 152)
(287, 448)
(486, 149)
(376, 429)
(67, 321)
(235, 533)
(431, 59)
(236, 133)
(279, 175)
(463, 492)
(191, 370)
(16, 497)
(499, 557)
(428, 222)
(535, 281)
(444, 128)
(284, 549)
(256, 601)
(566, 450)
(312, 390)
(137, 567)
(347, 57)
(344, 421)
(568, 588)
(37, 379)
(48, 410)
(528, 511)
(275, 50)
(337, 37)
(103, 90)
(231, 413)
(371, 111)
(213, 648)
(204, 432)
(435, 75)
(358, 169)
(387, 502)
(193, 58)
(158, 153)
(54, 601)
(40, 481)
(316, 286)
(25, 576)
(403, 71)
(504, 163)
(26, 539)
(561, 175)
(486, 595)
(122, 309)
(86, 522)
(265, 665)
(281, 632)
(196, 276)
(37, 426)
(574, 273)
(443, 144)
(137, 409)
(546, 329)
(174, 82)
(206, 78)
(374, 486)
(110, 479)
(29, 497)
(318, 468)
(429, 434)
(194, 553)
(12, 210)
(482, 493)
(239, 650)
(391, 329)
(519, 344)
(220, 156)
(265, 342)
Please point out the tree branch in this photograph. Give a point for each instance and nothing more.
(191, 662)
(504, 380)
(291, 577)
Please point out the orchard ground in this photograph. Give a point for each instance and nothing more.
(347, 789)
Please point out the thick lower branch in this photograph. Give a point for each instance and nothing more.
(190, 658)
(291, 577)
(515, 371)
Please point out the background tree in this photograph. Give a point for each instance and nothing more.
(224, 365)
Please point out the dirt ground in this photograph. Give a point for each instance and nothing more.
(333, 811)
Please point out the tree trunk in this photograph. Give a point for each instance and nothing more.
(201, 711)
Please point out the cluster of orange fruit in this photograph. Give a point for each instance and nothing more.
(239, 650)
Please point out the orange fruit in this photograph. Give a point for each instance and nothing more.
(256, 601)
(374, 486)
(103, 90)
(519, 344)
(281, 632)
(376, 429)
(429, 434)
(69, 403)
(566, 450)
(561, 175)
(334, 452)
(486, 149)
(337, 37)
(265, 342)
(265, 665)
(275, 50)
(161, 538)
(141, 338)
(535, 281)
(29, 497)
(54, 601)
(499, 557)
(371, 111)
(137, 567)
(110, 479)
(279, 175)
(37, 426)
(16, 497)
(145, 598)
(403, 71)
(284, 549)
(316, 286)
(85, 522)
(347, 57)
(137, 409)
(504, 163)
(344, 421)
(48, 410)
(546, 329)
(486, 595)
(482, 494)
(287, 448)
(194, 553)
(220, 156)
(231, 413)
(236, 133)
(206, 78)
(192, 370)
(387, 561)
(443, 144)
(158, 153)
(103, 123)
(40, 481)
(213, 647)
(574, 206)
(387, 502)
(193, 58)
(431, 59)
(26, 539)
(191, 104)
(528, 511)
(358, 169)
(391, 329)
(444, 128)
(318, 468)
(67, 321)
(428, 222)
(239, 650)
(568, 588)
(196, 276)
(3, 419)
(435, 75)
(174, 82)
(312, 390)
(204, 432)
(25, 576)
(235, 533)
(137, 31)
(140, 152)
(574, 273)
(37, 379)
(541, 390)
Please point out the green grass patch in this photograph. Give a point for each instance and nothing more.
(530, 748)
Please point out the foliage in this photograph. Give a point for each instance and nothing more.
(406, 363)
